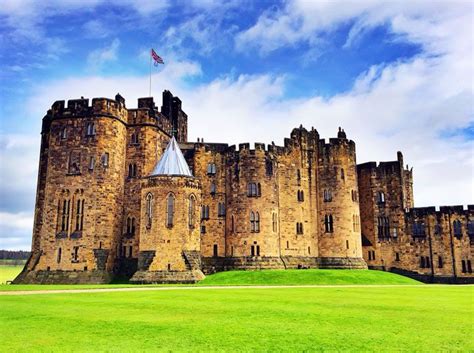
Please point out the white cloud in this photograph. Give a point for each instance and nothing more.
(432, 24)
(100, 56)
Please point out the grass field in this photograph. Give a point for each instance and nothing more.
(406, 318)
(268, 277)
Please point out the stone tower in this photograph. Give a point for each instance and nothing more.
(169, 248)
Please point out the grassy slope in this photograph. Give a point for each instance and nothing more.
(305, 277)
(268, 277)
(419, 318)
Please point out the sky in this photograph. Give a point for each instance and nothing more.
(396, 75)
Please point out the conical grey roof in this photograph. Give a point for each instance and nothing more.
(172, 162)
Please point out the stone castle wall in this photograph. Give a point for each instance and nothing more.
(301, 205)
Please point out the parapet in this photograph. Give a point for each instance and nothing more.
(431, 210)
(81, 108)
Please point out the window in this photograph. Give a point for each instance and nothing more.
(91, 163)
(269, 167)
(309, 250)
(397, 256)
(380, 197)
(440, 262)
(221, 209)
(105, 160)
(419, 230)
(79, 215)
(169, 210)
(254, 222)
(149, 209)
(287, 244)
(74, 162)
(328, 223)
(371, 254)
(298, 176)
(132, 170)
(437, 229)
(425, 262)
(457, 228)
(254, 190)
(347, 244)
(342, 174)
(211, 169)
(354, 195)
(213, 188)
(58, 259)
(90, 129)
(204, 212)
(327, 195)
(463, 263)
(470, 228)
(300, 195)
(274, 222)
(65, 215)
(394, 231)
(383, 227)
(469, 267)
(191, 211)
(63, 133)
(130, 226)
(299, 228)
(134, 139)
(203, 229)
(75, 254)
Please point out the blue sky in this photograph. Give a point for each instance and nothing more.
(395, 75)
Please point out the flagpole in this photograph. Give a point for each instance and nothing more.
(149, 95)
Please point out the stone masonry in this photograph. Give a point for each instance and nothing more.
(100, 212)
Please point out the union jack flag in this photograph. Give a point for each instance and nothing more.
(156, 58)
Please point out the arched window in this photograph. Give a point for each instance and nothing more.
(204, 212)
(191, 210)
(380, 197)
(327, 196)
(220, 209)
(252, 221)
(328, 223)
(64, 133)
(79, 215)
(90, 129)
(169, 210)
(149, 209)
(134, 139)
(457, 228)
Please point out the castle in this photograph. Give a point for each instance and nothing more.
(123, 192)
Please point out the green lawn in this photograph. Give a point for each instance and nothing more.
(407, 318)
(264, 277)
(305, 277)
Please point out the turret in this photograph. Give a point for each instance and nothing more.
(339, 220)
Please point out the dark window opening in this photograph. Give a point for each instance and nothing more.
(214, 251)
(328, 224)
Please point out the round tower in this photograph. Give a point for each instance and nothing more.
(339, 220)
(80, 192)
(169, 250)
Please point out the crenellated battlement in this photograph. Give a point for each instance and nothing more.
(440, 210)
